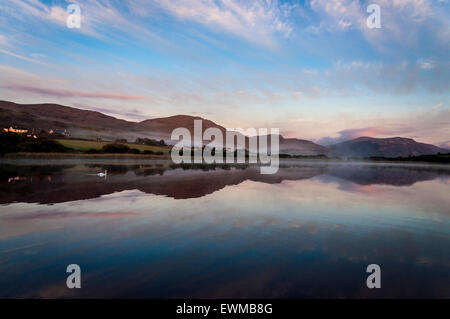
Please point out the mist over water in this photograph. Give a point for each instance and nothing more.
(151, 230)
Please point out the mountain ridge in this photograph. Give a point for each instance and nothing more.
(93, 124)
(366, 146)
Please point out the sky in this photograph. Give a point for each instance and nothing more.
(312, 68)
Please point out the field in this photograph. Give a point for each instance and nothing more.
(83, 145)
(80, 156)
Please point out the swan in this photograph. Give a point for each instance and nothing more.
(103, 174)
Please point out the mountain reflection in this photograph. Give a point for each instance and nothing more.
(308, 231)
(63, 183)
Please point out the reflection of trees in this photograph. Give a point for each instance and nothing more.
(208, 167)
(37, 171)
(68, 183)
(150, 171)
(115, 169)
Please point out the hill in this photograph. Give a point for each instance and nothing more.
(93, 125)
(295, 146)
(80, 123)
(383, 147)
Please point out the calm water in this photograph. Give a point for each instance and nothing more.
(152, 231)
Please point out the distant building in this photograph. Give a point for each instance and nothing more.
(60, 132)
(15, 130)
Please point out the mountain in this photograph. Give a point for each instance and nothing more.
(295, 146)
(292, 146)
(80, 123)
(163, 127)
(384, 147)
(168, 124)
(93, 125)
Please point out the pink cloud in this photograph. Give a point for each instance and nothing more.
(73, 93)
(365, 131)
(288, 134)
(445, 145)
(63, 215)
(350, 134)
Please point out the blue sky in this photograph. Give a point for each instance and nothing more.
(312, 68)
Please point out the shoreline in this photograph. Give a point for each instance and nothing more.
(135, 159)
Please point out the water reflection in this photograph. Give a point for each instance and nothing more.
(56, 184)
(164, 232)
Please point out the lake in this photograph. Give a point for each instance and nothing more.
(161, 231)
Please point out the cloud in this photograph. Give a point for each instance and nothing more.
(206, 70)
(445, 144)
(388, 77)
(72, 93)
(425, 65)
(3, 41)
(58, 14)
(133, 114)
(350, 134)
(69, 215)
(341, 15)
(257, 21)
(437, 106)
(427, 126)
(38, 55)
(338, 15)
(403, 22)
(99, 19)
(21, 57)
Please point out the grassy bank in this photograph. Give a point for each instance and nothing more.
(27, 155)
(84, 145)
